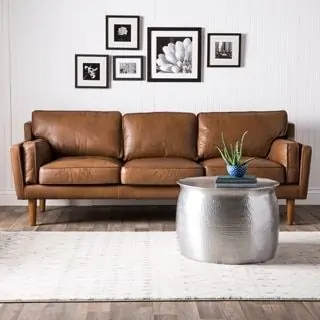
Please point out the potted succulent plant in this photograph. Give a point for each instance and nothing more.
(236, 167)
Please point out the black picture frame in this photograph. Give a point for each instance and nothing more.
(82, 77)
(140, 76)
(174, 33)
(111, 42)
(229, 61)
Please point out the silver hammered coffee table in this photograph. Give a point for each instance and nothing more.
(227, 225)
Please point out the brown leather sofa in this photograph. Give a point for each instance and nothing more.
(104, 155)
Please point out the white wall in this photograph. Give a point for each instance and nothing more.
(281, 63)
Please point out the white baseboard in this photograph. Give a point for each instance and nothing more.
(8, 198)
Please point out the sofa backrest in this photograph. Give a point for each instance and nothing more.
(159, 134)
(80, 133)
(263, 128)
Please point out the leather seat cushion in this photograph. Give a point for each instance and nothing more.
(81, 170)
(158, 171)
(258, 167)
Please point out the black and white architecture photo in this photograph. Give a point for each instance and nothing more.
(223, 49)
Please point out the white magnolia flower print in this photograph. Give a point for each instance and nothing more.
(176, 57)
(122, 31)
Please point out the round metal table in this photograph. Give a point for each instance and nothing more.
(227, 225)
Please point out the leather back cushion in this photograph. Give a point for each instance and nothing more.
(80, 133)
(160, 134)
(263, 128)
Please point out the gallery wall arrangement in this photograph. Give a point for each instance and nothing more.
(174, 54)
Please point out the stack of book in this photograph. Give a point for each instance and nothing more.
(235, 182)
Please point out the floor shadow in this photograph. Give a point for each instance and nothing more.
(296, 253)
(96, 214)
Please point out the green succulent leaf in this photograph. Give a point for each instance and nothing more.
(225, 159)
(242, 139)
(233, 155)
(246, 161)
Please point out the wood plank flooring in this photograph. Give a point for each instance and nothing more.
(146, 218)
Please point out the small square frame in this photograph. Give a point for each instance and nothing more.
(234, 60)
(112, 43)
(81, 82)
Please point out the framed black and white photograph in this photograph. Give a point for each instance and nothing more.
(224, 50)
(122, 32)
(128, 68)
(174, 54)
(91, 71)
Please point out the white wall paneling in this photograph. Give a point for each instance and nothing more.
(281, 64)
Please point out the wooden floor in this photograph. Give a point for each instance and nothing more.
(146, 218)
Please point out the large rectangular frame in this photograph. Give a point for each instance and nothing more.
(175, 30)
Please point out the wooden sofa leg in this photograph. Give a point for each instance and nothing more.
(290, 211)
(42, 205)
(32, 212)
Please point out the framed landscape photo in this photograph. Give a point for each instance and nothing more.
(91, 71)
(122, 32)
(224, 50)
(174, 54)
(128, 68)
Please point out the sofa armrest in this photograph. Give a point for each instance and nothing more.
(36, 154)
(28, 136)
(305, 164)
(17, 169)
(287, 153)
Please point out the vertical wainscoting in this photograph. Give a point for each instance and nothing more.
(281, 65)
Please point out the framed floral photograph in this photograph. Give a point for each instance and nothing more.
(224, 50)
(91, 71)
(174, 54)
(128, 68)
(123, 32)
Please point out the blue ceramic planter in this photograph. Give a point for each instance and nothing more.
(237, 171)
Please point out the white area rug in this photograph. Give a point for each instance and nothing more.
(65, 266)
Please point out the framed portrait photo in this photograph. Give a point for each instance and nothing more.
(224, 50)
(128, 68)
(123, 32)
(174, 54)
(91, 71)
